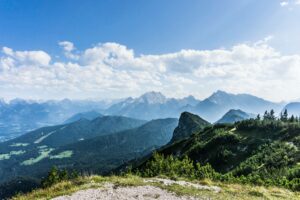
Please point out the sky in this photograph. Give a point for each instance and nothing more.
(55, 49)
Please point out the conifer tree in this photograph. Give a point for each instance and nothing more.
(272, 115)
(284, 116)
(266, 115)
(292, 119)
(258, 117)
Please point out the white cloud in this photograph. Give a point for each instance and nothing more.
(23, 58)
(284, 3)
(289, 3)
(112, 70)
(67, 46)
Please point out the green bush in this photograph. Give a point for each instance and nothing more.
(55, 176)
(174, 167)
(169, 166)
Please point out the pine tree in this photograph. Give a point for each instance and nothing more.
(292, 119)
(284, 116)
(63, 175)
(272, 115)
(258, 117)
(266, 115)
(52, 177)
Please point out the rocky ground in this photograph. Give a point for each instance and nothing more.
(132, 187)
(146, 192)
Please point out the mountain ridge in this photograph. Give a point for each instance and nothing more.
(20, 116)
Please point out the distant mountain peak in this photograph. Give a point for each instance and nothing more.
(152, 98)
(190, 97)
(234, 115)
(89, 115)
(18, 101)
(219, 96)
(188, 124)
(219, 93)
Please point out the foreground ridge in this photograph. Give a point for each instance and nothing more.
(135, 187)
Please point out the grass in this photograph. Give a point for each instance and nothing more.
(19, 144)
(44, 153)
(7, 156)
(64, 154)
(229, 191)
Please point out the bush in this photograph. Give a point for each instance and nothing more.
(173, 167)
(169, 166)
(55, 176)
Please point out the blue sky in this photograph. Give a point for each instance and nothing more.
(31, 30)
(147, 26)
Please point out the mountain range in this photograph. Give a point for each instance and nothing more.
(151, 105)
(19, 116)
(220, 102)
(154, 105)
(90, 142)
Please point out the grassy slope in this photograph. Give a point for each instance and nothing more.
(208, 145)
(229, 191)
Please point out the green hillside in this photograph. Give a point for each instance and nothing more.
(104, 153)
(99, 154)
(25, 155)
(259, 151)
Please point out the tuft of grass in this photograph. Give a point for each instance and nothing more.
(60, 189)
(256, 194)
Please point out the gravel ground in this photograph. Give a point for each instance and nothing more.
(109, 192)
(184, 183)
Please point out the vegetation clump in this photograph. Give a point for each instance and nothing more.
(56, 175)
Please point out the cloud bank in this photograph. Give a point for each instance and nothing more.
(112, 70)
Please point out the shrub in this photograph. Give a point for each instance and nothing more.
(55, 176)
